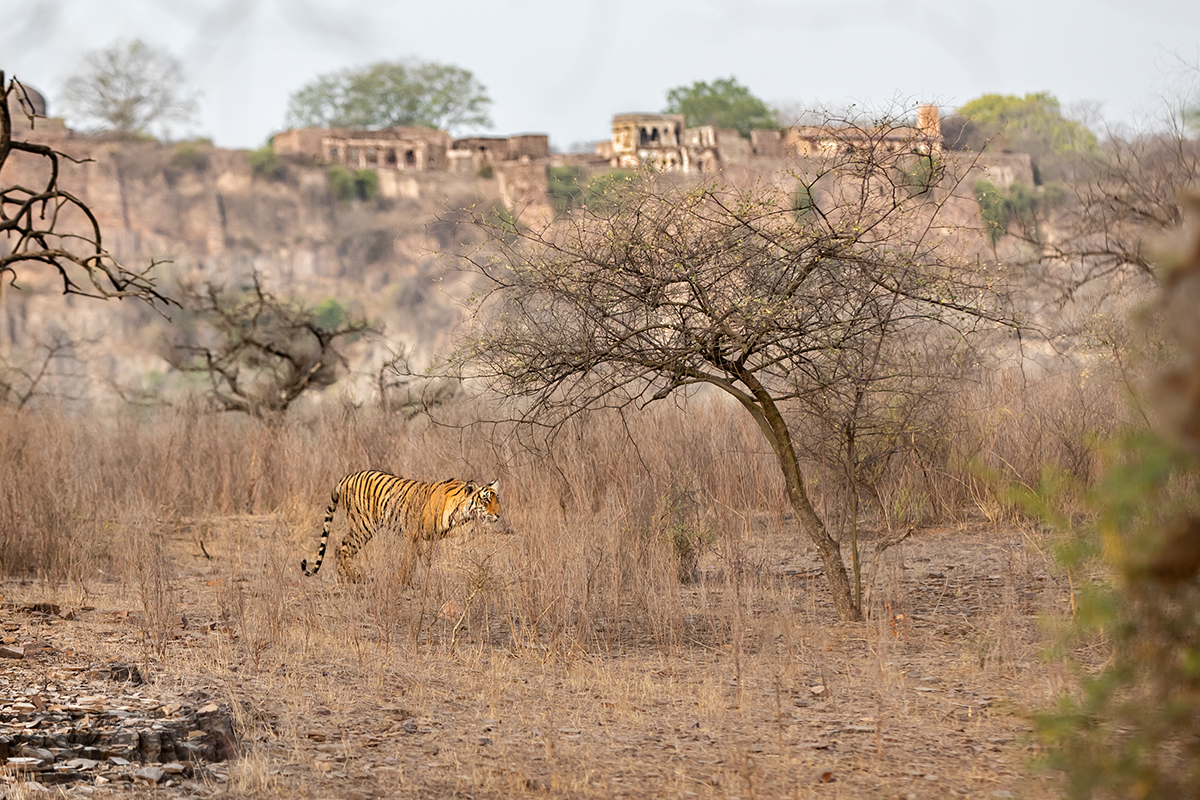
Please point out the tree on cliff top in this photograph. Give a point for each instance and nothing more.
(1031, 124)
(392, 94)
(128, 88)
(724, 103)
(668, 287)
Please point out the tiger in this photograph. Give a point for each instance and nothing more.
(419, 511)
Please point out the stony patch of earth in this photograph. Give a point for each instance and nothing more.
(329, 696)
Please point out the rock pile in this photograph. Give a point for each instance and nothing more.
(61, 723)
(58, 739)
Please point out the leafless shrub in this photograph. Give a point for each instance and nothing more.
(1117, 205)
(53, 371)
(259, 352)
(407, 394)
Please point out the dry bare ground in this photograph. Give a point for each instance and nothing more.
(757, 692)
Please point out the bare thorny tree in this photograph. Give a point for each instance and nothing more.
(47, 226)
(1118, 204)
(258, 352)
(51, 368)
(404, 392)
(775, 295)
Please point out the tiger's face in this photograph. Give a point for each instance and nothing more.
(485, 503)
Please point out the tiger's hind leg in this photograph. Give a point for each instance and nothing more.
(347, 550)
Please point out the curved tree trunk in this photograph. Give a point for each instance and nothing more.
(775, 429)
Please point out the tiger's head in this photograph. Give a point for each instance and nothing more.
(484, 502)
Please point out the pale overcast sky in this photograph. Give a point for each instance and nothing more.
(565, 68)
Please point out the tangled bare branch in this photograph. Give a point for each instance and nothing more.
(47, 226)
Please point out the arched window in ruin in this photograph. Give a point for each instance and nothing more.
(410, 158)
(391, 156)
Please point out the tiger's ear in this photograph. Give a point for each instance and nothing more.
(471, 487)
(494, 485)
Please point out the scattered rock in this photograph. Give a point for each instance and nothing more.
(60, 776)
(12, 651)
(40, 753)
(127, 673)
(151, 774)
(409, 725)
(49, 609)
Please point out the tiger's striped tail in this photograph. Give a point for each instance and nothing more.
(333, 504)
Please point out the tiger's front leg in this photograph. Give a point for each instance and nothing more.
(412, 553)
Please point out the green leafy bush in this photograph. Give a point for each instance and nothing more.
(362, 184)
(922, 175)
(600, 189)
(266, 164)
(330, 314)
(190, 156)
(804, 203)
(366, 184)
(341, 184)
(1019, 206)
(1134, 728)
(992, 208)
(1022, 206)
(562, 184)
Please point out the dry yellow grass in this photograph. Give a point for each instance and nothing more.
(560, 658)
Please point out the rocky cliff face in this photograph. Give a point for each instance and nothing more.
(214, 219)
